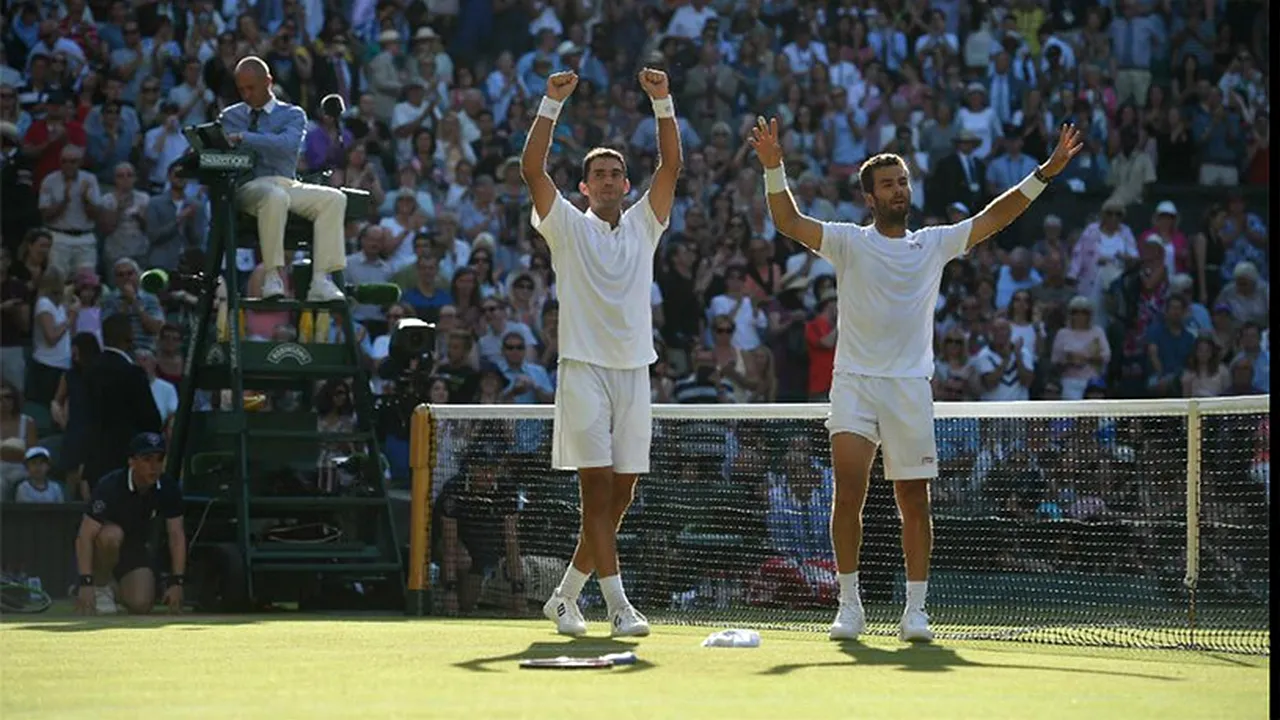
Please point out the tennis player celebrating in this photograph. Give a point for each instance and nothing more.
(887, 280)
(603, 261)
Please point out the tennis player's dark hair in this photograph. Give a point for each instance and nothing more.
(599, 153)
(867, 173)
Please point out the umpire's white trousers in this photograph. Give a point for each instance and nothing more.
(272, 198)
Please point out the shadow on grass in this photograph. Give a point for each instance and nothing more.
(576, 647)
(929, 658)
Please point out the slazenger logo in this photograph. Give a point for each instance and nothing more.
(215, 355)
(292, 351)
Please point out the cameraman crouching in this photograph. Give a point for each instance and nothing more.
(476, 526)
(112, 544)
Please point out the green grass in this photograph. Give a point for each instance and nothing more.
(300, 666)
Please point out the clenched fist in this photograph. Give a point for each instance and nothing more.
(560, 85)
(654, 83)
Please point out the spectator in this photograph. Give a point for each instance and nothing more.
(174, 222)
(1176, 248)
(1080, 350)
(1015, 276)
(1243, 372)
(335, 414)
(1004, 369)
(129, 300)
(17, 434)
(1104, 251)
(1169, 344)
(495, 318)
(529, 381)
(368, 267)
(1026, 330)
(820, 339)
(15, 323)
(1205, 375)
(162, 391)
(1208, 254)
(38, 487)
(1251, 349)
(738, 369)
(47, 139)
(491, 385)
(703, 384)
(1223, 330)
(70, 413)
(1248, 297)
(122, 216)
(1131, 170)
(69, 201)
(55, 321)
(746, 316)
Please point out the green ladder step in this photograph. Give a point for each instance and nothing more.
(295, 551)
(315, 503)
(369, 568)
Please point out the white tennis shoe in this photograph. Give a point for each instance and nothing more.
(324, 290)
(566, 615)
(272, 285)
(104, 600)
(850, 621)
(628, 622)
(915, 627)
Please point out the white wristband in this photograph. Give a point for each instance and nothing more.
(550, 109)
(1031, 186)
(664, 108)
(775, 180)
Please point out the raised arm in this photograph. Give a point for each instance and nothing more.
(997, 215)
(533, 161)
(786, 216)
(662, 191)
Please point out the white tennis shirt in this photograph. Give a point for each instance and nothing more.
(887, 290)
(604, 278)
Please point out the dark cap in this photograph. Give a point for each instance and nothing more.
(147, 443)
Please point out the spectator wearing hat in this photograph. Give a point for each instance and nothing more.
(1248, 296)
(416, 110)
(1104, 251)
(1080, 350)
(39, 487)
(69, 202)
(386, 81)
(979, 118)
(1164, 224)
(113, 542)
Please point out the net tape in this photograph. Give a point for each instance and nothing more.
(1061, 522)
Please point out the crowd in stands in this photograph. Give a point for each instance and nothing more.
(1113, 301)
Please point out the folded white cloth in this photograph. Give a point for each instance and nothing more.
(733, 638)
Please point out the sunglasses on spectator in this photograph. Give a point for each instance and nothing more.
(479, 258)
(492, 309)
(724, 330)
(524, 285)
(513, 347)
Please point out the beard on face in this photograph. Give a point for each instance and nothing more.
(886, 211)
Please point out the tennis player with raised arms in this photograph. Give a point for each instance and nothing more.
(887, 284)
(603, 260)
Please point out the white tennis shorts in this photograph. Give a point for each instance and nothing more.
(896, 413)
(603, 418)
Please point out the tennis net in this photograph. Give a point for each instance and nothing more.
(1109, 522)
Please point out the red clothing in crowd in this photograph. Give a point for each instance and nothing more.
(822, 360)
(51, 159)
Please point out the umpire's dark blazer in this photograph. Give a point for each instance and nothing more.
(120, 406)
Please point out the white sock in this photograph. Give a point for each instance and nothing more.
(916, 590)
(614, 597)
(849, 587)
(571, 585)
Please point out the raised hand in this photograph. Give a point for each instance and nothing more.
(654, 83)
(561, 85)
(1070, 143)
(764, 140)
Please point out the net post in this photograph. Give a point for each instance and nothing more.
(1193, 514)
(421, 439)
